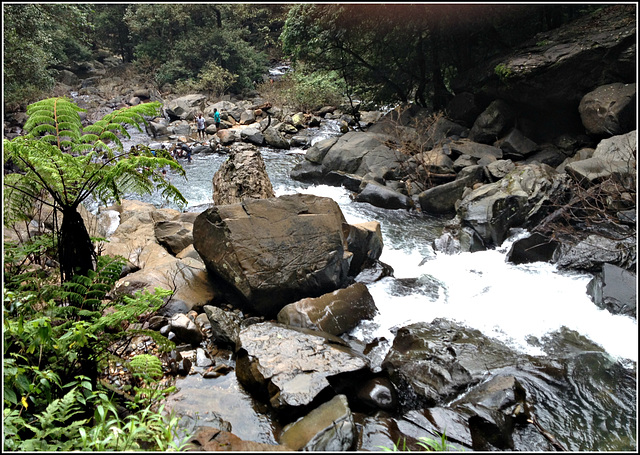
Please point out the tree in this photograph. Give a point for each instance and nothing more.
(61, 164)
(408, 52)
(36, 38)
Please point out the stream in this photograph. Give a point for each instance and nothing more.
(534, 308)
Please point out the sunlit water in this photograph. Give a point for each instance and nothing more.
(520, 305)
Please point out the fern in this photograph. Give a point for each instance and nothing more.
(146, 366)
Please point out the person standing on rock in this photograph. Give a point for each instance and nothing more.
(216, 119)
(200, 122)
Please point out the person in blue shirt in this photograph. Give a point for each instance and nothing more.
(216, 119)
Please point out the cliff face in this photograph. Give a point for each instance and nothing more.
(549, 75)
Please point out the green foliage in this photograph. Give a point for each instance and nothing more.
(36, 37)
(61, 426)
(62, 163)
(178, 41)
(212, 79)
(503, 72)
(145, 366)
(307, 91)
(428, 444)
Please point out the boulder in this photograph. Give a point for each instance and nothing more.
(275, 251)
(336, 312)
(329, 427)
(252, 135)
(173, 235)
(496, 119)
(533, 248)
(227, 136)
(593, 252)
(211, 439)
(614, 289)
(185, 329)
(274, 139)
(384, 197)
(609, 110)
(434, 362)
(291, 365)
(613, 156)
(518, 199)
(225, 325)
(185, 107)
(243, 176)
(364, 240)
(516, 145)
(473, 149)
(442, 199)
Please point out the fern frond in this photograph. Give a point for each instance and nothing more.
(146, 365)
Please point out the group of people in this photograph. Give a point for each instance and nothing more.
(200, 123)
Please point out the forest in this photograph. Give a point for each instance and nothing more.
(60, 327)
(381, 54)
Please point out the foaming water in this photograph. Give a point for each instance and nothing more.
(516, 304)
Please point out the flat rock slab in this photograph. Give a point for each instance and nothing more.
(292, 365)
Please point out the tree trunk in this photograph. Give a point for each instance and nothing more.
(76, 249)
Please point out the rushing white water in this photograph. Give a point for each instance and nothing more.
(517, 304)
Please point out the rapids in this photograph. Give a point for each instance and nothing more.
(535, 309)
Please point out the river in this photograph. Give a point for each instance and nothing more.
(534, 308)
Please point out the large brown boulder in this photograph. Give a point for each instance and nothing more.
(609, 110)
(275, 251)
(242, 176)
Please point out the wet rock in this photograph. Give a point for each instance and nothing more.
(378, 393)
(514, 201)
(275, 251)
(516, 145)
(329, 427)
(375, 272)
(335, 313)
(225, 325)
(202, 358)
(592, 253)
(210, 439)
(291, 365)
(274, 139)
(442, 199)
(533, 248)
(364, 240)
(432, 363)
(614, 289)
(384, 197)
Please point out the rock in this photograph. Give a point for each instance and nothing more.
(227, 136)
(612, 156)
(614, 289)
(210, 439)
(185, 107)
(486, 153)
(318, 151)
(173, 235)
(434, 362)
(275, 251)
(463, 109)
(381, 196)
(243, 176)
(498, 169)
(378, 393)
(533, 248)
(225, 325)
(252, 136)
(593, 252)
(516, 145)
(496, 119)
(442, 198)
(330, 427)
(515, 200)
(274, 139)
(291, 365)
(364, 240)
(185, 329)
(335, 313)
(609, 110)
